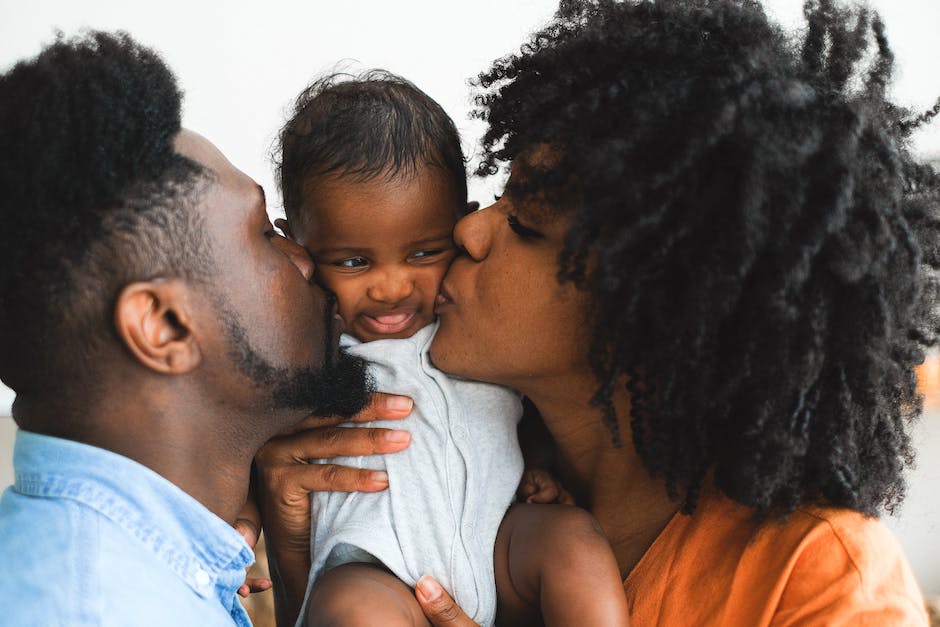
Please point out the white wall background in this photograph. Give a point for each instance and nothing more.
(241, 63)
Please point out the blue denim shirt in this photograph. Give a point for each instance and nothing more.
(89, 537)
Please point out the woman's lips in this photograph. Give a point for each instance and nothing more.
(388, 323)
(443, 298)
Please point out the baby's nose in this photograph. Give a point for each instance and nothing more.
(392, 286)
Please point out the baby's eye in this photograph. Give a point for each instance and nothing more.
(431, 252)
(352, 262)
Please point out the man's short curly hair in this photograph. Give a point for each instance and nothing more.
(758, 239)
(94, 197)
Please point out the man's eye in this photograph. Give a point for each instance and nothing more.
(521, 230)
(353, 262)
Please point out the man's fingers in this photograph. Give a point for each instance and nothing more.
(332, 442)
(332, 478)
(438, 606)
(354, 441)
(385, 407)
(381, 406)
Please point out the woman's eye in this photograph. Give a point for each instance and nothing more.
(521, 230)
(353, 262)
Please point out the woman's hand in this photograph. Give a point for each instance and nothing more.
(438, 606)
(285, 480)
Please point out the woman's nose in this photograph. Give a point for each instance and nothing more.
(391, 285)
(474, 232)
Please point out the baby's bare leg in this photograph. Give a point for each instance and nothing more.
(554, 564)
(362, 595)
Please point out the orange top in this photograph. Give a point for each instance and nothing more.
(820, 566)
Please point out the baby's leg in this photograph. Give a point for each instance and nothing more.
(354, 595)
(554, 563)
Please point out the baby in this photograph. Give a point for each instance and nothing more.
(373, 180)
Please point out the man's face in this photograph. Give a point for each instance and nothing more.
(269, 323)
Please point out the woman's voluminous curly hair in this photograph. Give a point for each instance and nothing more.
(758, 239)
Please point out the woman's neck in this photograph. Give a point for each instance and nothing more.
(608, 480)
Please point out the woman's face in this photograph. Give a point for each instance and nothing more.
(504, 316)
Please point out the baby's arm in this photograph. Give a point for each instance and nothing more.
(555, 566)
(538, 485)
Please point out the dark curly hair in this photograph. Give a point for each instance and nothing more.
(759, 242)
(373, 124)
(94, 197)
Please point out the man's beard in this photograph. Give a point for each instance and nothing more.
(341, 387)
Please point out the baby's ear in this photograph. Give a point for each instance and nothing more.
(282, 224)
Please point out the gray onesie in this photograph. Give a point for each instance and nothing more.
(448, 491)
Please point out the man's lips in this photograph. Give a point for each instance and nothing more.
(389, 323)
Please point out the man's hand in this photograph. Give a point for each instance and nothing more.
(438, 606)
(285, 480)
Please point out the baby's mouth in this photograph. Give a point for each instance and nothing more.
(388, 324)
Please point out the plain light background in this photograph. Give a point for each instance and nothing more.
(240, 65)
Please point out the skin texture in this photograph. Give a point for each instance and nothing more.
(492, 329)
(382, 246)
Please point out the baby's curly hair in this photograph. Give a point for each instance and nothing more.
(94, 196)
(760, 243)
(365, 126)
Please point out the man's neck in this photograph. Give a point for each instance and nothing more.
(608, 479)
(178, 440)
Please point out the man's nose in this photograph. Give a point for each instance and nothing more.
(392, 284)
(297, 254)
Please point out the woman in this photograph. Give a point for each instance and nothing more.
(711, 272)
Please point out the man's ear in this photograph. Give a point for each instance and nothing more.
(154, 320)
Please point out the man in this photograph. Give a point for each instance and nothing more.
(157, 332)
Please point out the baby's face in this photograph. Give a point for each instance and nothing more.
(382, 246)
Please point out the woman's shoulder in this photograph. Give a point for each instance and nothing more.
(845, 561)
(817, 564)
